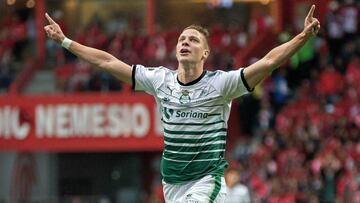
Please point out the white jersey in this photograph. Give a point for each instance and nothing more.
(238, 194)
(194, 118)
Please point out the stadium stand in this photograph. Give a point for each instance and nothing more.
(300, 129)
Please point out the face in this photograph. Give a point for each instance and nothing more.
(191, 47)
(232, 177)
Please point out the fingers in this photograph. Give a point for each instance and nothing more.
(315, 23)
(51, 28)
(51, 21)
(317, 28)
(314, 27)
(48, 30)
(311, 12)
(53, 31)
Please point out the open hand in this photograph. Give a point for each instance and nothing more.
(311, 24)
(53, 30)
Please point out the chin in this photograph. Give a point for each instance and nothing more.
(186, 60)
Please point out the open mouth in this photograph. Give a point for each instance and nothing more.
(184, 51)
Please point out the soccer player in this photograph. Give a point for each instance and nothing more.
(195, 105)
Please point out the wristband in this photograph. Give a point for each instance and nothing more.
(66, 43)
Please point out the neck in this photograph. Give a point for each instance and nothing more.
(189, 72)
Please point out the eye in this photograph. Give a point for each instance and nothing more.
(194, 40)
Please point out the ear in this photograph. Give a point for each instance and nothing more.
(206, 54)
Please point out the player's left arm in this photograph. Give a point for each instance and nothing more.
(256, 72)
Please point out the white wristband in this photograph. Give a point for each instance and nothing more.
(66, 43)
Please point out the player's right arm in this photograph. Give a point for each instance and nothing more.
(95, 57)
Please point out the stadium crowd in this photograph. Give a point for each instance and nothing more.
(305, 145)
(16, 34)
(134, 47)
(301, 140)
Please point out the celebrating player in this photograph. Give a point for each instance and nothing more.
(195, 104)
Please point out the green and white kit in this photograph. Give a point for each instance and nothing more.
(194, 118)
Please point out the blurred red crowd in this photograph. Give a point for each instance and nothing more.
(303, 145)
(14, 37)
(133, 47)
(306, 138)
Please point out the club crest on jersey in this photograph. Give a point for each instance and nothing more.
(184, 98)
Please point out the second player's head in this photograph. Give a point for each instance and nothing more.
(193, 45)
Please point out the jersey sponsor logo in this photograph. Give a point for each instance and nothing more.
(183, 114)
(190, 114)
(168, 112)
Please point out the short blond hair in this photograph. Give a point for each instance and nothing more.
(202, 30)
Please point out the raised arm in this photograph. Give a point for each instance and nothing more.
(98, 58)
(256, 72)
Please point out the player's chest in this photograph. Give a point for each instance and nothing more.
(181, 95)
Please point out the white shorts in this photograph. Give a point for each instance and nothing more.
(208, 189)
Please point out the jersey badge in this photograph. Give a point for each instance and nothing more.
(184, 98)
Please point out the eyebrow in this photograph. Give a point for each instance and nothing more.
(190, 36)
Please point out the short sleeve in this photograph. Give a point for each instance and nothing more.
(232, 84)
(146, 79)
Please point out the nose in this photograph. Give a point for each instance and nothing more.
(185, 42)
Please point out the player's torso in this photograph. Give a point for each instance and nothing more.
(199, 102)
(194, 120)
